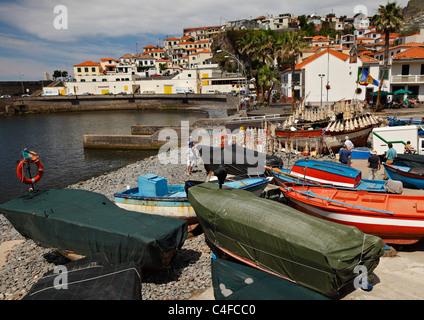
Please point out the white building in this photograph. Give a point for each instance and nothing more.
(407, 72)
(328, 67)
(203, 79)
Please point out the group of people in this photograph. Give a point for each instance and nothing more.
(374, 163)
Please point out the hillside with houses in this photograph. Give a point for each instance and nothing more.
(204, 60)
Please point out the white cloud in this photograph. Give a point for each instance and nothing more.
(109, 18)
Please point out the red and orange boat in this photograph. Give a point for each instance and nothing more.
(396, 218)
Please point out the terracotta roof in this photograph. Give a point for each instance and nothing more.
(368, 59)
(405, 45)
(87, 64)
(413, 53)
(335, 53)
(172, 39)
(143, 56)
(149, 47)
(126, 56)
(106, 59)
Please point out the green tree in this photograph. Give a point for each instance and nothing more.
(267, 78)
(57, 74)
(389, 19)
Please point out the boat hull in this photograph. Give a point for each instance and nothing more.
(312, 139)
(328, 172)
(403, 174)
(282, 176)
(394, 218)
(179, 207)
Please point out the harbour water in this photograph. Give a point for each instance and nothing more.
(57, 139)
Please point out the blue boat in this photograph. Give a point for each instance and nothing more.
(154, 196)
(282, 176)
(410, 177)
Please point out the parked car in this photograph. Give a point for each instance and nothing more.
(6, 96)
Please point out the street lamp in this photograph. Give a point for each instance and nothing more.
(321, 76)
(22, 83)
(240, 64)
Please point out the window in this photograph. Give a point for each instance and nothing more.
(86, 69)
(104, 80)
(94, 80)
(93, 69)
(405, 69)
(79, 69)
(422, 69)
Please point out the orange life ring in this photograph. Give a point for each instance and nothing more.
(20, 171)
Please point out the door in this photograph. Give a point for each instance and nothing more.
(167, 89)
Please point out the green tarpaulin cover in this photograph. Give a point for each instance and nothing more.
(87, 222)
(313, 252)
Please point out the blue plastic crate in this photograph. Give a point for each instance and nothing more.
(151, 185)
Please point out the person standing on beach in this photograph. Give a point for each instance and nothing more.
(390, 157)
(344, 155)
(374, 165)
(190, 156)
(349, 145)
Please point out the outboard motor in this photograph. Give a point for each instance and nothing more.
(221, 174)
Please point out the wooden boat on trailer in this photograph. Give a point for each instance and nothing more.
(330, 137)
(396, 218)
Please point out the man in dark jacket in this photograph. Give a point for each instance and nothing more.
(344, 155)
(374, 165)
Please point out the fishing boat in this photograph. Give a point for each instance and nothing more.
(285, 242)
(282, 176)
(154, 196)
(395, 121)
(397, 219)
(348, 120)
(87, 223)
(410, 177)
(327, 172)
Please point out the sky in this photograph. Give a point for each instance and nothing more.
(38, 36)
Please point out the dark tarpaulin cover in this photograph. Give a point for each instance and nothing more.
(313, 252)
(235, 281)
(235, 159)
(90, 278)
(86, 222)
(410, 160)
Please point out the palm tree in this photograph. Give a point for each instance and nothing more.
(291, 50)
(389, 19)
(267, 77)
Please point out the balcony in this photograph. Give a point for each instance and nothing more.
(407, 79)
